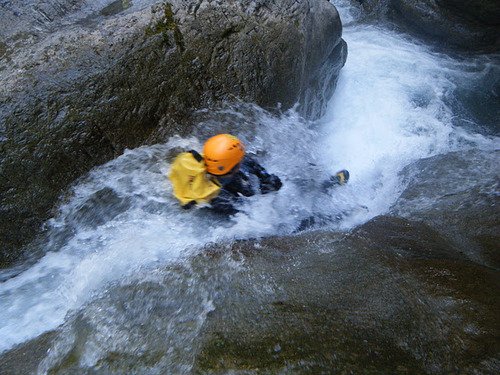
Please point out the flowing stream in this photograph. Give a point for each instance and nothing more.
(395, 103)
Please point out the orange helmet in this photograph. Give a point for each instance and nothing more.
(222, 153)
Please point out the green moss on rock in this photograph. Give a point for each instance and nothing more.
(165, 25)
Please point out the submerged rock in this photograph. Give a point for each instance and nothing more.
(393, 296)
(79, 84)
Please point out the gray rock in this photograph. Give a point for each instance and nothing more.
(79, 84)
(457, 194)
(471, 26)
(393, 296)
(26, 358)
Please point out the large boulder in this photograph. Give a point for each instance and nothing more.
(79, 84)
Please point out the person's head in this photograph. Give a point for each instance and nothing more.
(222, 153)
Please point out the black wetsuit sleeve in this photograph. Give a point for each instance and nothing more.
(224, 203)
(239, 184)
(268, 182)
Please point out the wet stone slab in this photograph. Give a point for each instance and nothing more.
(393, 296)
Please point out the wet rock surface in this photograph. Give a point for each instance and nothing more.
(470, 26)
(26, 358)
(457, 194)
(393, 296)
(80, 83)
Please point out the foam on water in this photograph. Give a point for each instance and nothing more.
(388, 111)
(143, 227)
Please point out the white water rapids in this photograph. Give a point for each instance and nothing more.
(389, 110)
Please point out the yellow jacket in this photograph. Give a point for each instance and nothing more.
(190, 180)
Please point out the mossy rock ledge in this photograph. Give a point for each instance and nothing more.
(80, 84)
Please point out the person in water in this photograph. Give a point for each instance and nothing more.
(223, 174)
(220, 176)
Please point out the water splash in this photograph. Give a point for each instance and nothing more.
(391, 108)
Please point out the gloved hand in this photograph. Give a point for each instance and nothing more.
(340, 178)
(270, 183)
